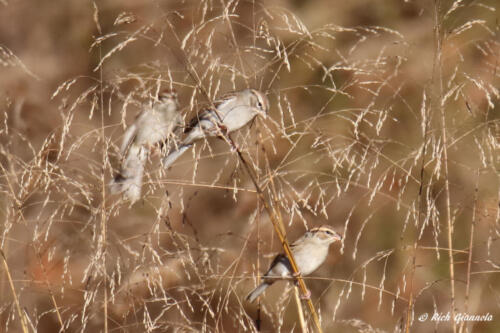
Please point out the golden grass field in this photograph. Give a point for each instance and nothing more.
(384, 123)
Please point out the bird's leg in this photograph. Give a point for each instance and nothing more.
(223, 131)
(224, 135)
(305, 296)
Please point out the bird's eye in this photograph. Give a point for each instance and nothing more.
(329, 233)
(259, 104)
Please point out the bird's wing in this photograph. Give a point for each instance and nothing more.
(280, 259)
(208, 111)
(128, 138)
(226, 99)
(205, 114)
(193, 122)
(297, 243)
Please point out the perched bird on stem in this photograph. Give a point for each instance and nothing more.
(230, 113)
(309, 252)
(153, 126)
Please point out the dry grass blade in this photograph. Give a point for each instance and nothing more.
(20, 313)
(438, 77)
(300, 312)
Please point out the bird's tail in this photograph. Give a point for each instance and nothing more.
(174, 155)
(257, 291)
(129, 180)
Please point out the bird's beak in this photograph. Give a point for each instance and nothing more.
(263, 114)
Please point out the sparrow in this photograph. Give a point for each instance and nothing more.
(153, 126)
(230, 113)
(309, 252)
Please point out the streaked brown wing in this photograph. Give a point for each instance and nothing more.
(205, 111)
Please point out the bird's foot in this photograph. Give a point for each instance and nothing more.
(223, 129)
(306, 296)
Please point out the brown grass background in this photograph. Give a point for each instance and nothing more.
(383, 124)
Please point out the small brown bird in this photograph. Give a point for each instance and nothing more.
(153, 126)
(309, 251)
(231, 113)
